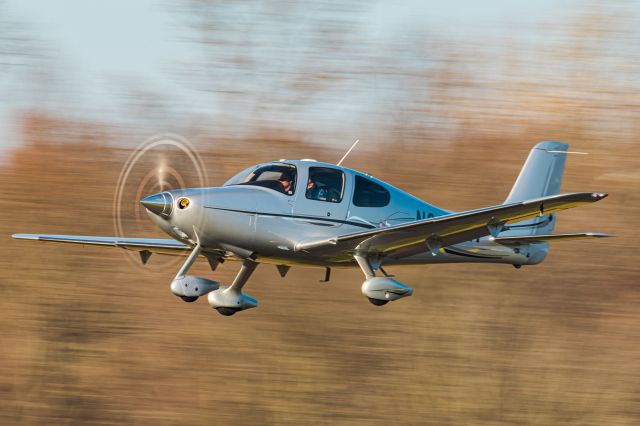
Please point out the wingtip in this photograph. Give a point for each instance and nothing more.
(599, 195)
(600, 235)
(24, 236)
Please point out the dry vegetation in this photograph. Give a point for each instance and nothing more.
(88, 338)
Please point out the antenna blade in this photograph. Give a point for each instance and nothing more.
(349, 151)
(569, 152)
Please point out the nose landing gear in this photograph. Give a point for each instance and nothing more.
(229, 300)
(189, 287)
(226, 300)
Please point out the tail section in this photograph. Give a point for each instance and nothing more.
(540, 176)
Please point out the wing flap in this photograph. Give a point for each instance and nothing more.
(406, 239)
(529, 239)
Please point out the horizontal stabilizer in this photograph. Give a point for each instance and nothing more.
(529, 239)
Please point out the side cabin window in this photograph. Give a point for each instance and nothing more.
(325, 184)
(367, 193)
(279, 177)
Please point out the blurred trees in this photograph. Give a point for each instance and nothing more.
(89, 339)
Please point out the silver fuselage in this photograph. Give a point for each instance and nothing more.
(246, 220)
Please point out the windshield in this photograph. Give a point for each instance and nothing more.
(279, 177)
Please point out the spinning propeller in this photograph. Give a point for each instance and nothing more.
(160, 163)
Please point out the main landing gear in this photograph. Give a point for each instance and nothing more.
(380, 290)
(226, 300)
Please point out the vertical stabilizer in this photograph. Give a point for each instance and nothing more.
(540, 176)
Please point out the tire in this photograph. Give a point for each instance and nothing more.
(227, 312)
(377, 302)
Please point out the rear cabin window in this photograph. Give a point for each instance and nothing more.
(325, 184)
(279, 177)
(369, 194)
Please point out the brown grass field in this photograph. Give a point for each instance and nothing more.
(90, 338)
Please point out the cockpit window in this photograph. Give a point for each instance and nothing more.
(325, 184)
(367, 193)
(279, 177)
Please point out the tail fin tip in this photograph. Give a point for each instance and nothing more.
(541, 173)
(552, 146)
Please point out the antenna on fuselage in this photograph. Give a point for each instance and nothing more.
(569, 152)
(348, 152)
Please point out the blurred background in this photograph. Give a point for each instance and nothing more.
(446, 98)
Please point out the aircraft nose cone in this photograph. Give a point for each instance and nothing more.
(160, 204)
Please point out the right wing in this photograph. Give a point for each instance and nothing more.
(407, 239)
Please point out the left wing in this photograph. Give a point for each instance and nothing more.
(152, 245)
(411, 238)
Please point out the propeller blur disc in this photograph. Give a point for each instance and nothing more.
(160, 163)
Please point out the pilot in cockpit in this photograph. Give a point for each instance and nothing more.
(287, 183)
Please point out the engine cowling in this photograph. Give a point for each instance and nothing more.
(190, 287)
(381, 290)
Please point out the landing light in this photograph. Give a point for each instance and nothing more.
(183, 203)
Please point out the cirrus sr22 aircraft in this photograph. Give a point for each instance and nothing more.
(308, 213)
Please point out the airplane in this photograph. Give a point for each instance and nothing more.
(315, 214)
